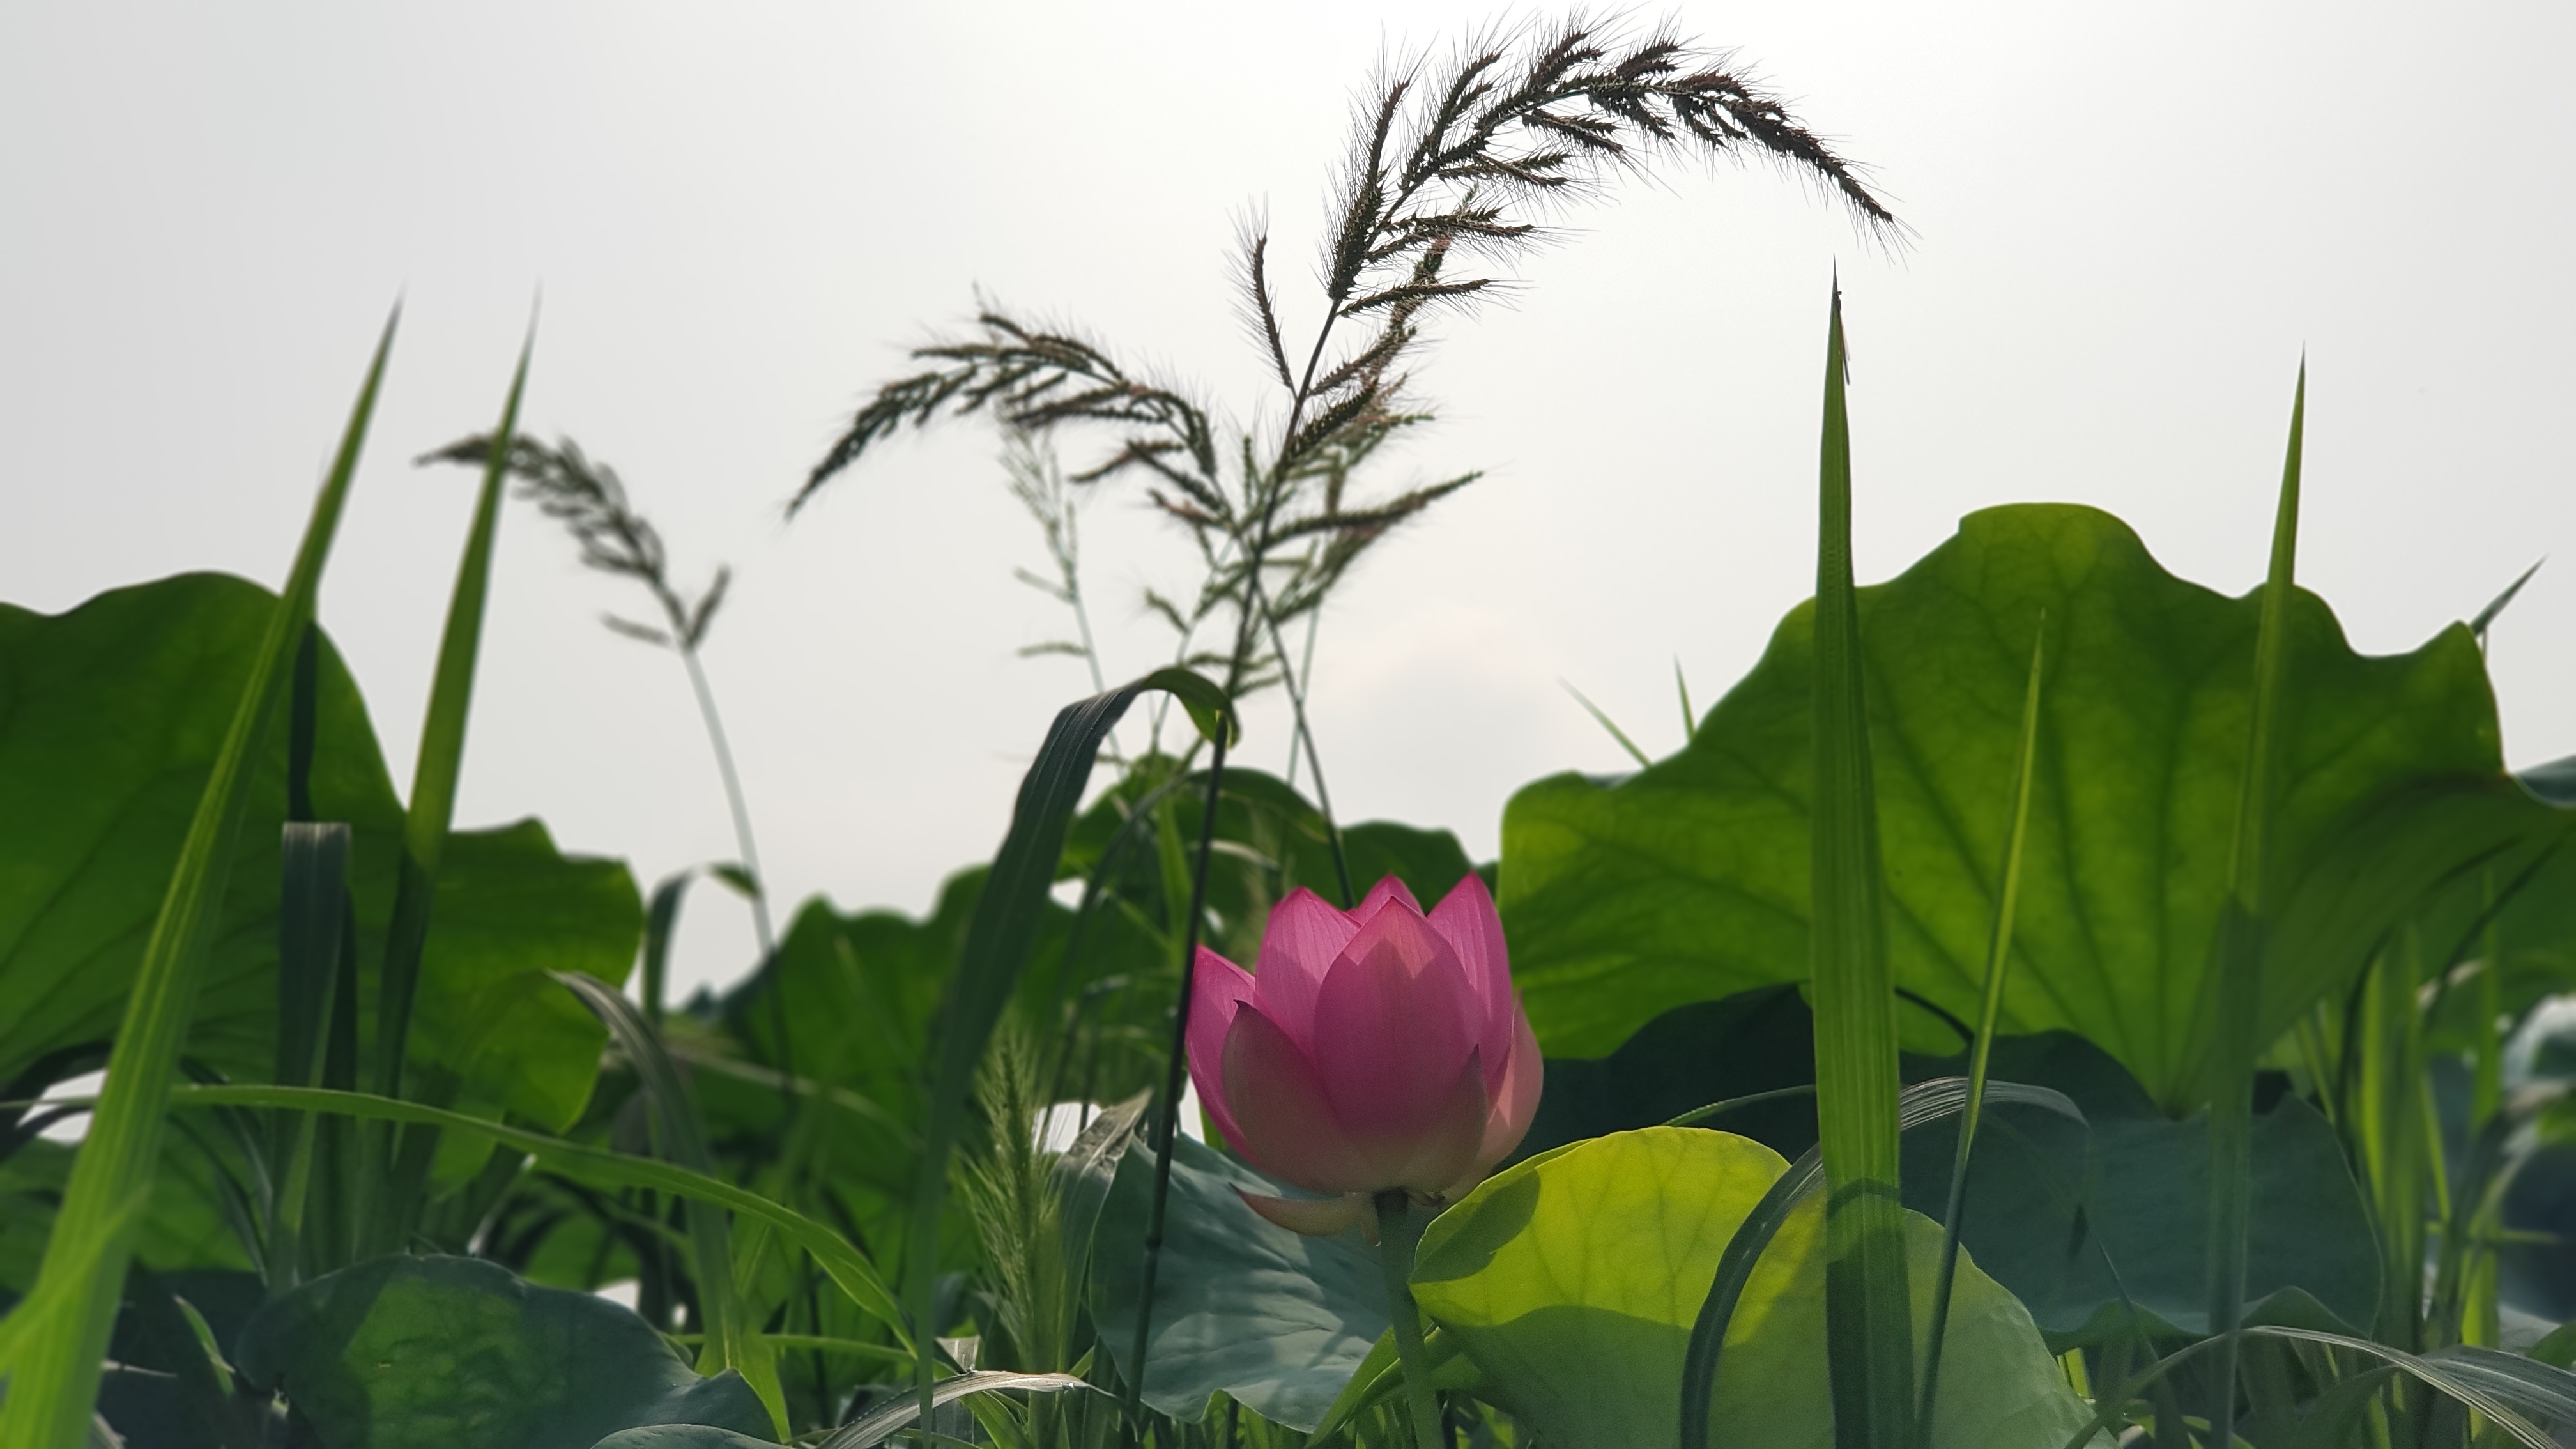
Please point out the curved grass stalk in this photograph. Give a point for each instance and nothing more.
(593, 1166)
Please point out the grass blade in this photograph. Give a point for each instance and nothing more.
(997, 946)
(592, 1166)
(1868, 1324)
(681, 1137)
(314, 936)
(2236, 999)
(2487, 616)
(1989, 1011)
(55, 1378)
(425, 823)
(1604, 720)
(884, 1423)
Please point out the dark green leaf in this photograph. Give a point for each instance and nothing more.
(441, 1352)
(1241, 1306)
(109, 720)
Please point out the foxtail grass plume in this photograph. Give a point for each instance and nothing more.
(1378, 1048)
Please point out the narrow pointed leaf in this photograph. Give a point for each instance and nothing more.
(55, 1378)
(1866, 1314)
(2234, 1004)
(999, 937)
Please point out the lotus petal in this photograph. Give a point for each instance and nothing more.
(1217, 988)
(1387, 889)
(1392, 1023)
(1305, 936)
(1284, 1121)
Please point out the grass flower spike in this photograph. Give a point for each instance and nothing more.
(1378, 1049)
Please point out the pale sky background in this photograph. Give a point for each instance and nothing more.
(2131, 220)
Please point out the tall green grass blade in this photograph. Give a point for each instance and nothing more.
(2236, 997)
(303, 711)
(1868, 1325)
(1989, 1012)
(1602, 719)
(1690, 720)
(56, 1375)
(2487, 616)
(398, 1163)
(442, 756)
(314, 935)
(997, 946)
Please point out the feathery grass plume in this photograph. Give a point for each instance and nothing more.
(589, 500)
(1449, 165)
(1038, 482)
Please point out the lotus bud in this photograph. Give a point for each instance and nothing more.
(1376, 1048)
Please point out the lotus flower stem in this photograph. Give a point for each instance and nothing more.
(1396, 1231)
(1171, 1114)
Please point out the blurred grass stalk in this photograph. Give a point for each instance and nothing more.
(55, 1366)
(1868, 1320)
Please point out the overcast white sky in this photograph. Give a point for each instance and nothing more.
(2131, 220)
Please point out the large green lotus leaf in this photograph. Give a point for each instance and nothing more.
(432, 1353)
(1688, 880)
(1241, 1305)
(2048, 1198)
(1572, 1282)
(110, 718)
(2054, 1206)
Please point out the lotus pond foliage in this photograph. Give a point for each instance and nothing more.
(2045, 1003)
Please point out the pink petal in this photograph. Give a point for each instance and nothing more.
(1297, 947)
(1316, 1217)
(1387, 889)
(1436, 1158)
(1394, 1020)
(1515, 1102)
(1466, 919)
(1284, 1120)
(1217, 988)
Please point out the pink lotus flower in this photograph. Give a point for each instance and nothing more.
(1378, 1048)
